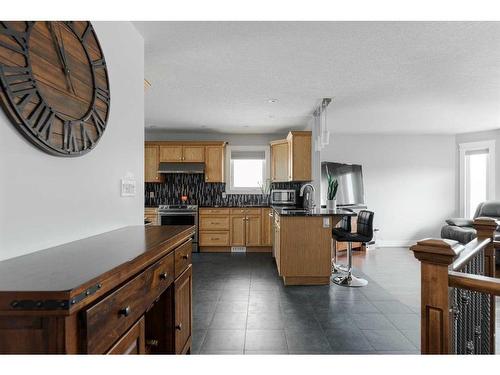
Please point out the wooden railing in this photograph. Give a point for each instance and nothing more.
(458, 289)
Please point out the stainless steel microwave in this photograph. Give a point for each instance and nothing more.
(283, 197)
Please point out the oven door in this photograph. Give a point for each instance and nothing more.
(181, 218)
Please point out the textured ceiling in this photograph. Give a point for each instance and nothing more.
(385, 77)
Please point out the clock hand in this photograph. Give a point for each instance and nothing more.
(63, 53)
(58, 51)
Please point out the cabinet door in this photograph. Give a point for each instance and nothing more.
(183, 304)
(299, 145)
(171, 153)
(277, 247)
(193, 154)
(238, 229)
(253, 230)
(151, 161)
(267, 227)
(214, 163)
(279, 162)
(132, 342)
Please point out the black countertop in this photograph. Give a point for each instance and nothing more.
(314, 212)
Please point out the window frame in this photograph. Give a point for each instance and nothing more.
(230, 189)
(476, 146)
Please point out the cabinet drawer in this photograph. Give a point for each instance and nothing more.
(132, 342)
(110, 318)
(214, 238)
(182, 257)
(214, 211)
(245, 211)
(214, 223)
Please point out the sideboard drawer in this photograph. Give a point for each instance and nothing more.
(109, 319)
(183, 257)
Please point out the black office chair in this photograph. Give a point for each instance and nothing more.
(364, 234)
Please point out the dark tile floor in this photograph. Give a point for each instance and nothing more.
(240, 306)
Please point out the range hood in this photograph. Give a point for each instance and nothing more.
(181, 168)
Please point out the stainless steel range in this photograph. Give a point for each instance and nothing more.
(180, 215)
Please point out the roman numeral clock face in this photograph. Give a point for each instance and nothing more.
(55, 86)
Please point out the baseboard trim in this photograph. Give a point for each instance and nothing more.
(399, 243)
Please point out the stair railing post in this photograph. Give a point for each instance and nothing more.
(486, 228)
(435, 256)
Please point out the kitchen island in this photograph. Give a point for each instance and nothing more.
(302, 244)
(127, 291)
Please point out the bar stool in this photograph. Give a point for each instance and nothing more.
(364, 234)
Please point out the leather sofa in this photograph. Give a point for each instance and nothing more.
(462, 230)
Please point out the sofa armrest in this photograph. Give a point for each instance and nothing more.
(460, 222)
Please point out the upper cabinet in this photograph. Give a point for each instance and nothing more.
(180, 153)
(214, 163)
(193, 154)
(299, 156)
(171, 153)
(279, 160)
(151, 161)
(291, 157)
(210, 153)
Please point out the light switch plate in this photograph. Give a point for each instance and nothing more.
(326, 222)
(128, 187)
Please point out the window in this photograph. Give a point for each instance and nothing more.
(477, 175)
(247, 169)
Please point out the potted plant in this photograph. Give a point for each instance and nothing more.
(333, 185)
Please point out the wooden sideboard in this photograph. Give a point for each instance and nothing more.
(128, 291)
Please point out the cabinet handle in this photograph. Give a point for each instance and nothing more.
(125, 311)
(215, 238)
(163, 275)
(152, 342)
(178, 326)
(185, 257)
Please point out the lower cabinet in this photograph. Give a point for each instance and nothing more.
(183, 317)
(132, 342)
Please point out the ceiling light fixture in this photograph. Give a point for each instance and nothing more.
(272, 100)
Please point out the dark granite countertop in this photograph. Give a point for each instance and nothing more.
(237, 206)
(314, 212)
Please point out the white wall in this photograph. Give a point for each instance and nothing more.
(409, 181)
(47, 200)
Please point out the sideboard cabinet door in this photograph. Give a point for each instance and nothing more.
(132, 342)
(183, 301)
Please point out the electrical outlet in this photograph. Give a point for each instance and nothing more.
(326, 222)
(151, 194)
(224, 195)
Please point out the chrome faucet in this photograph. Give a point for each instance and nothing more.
(308, 202)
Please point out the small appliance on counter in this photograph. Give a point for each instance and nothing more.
(283, 197)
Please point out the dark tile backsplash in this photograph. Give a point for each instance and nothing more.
(203, 193)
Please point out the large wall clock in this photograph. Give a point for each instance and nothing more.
(54, 84)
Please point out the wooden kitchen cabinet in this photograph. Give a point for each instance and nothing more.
(291, 157)
(279, 161)
(193, 154)
(277, 242)
(253, 234)
(214, 163)
(171, 153)
(183, 287)
(238, 230)
(151, 162)
(299, 156)
(267, 227)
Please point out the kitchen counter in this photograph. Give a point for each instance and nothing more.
(314, 212)
(237, 206)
